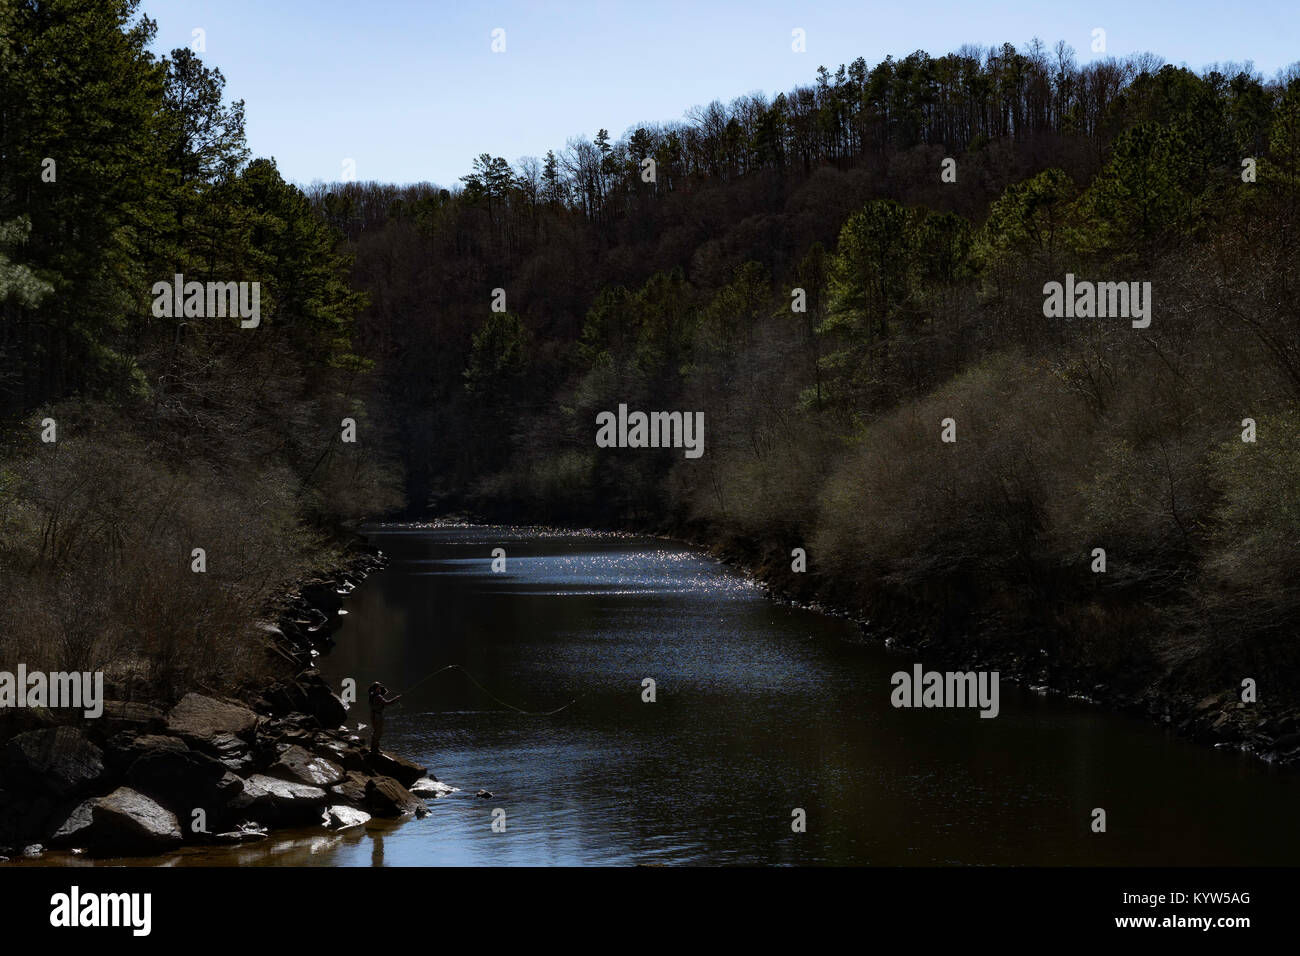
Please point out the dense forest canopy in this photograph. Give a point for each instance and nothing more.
(827, 275)
(831, 274)
(131, 440)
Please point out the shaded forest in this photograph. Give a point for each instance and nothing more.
(130, 440)
(807, 270)
(674, 285)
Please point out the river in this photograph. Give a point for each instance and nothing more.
(761, 709)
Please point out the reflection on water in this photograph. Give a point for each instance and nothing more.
(760, 709)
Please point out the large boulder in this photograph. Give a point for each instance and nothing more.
(300, 766)
(183, 780)
(199, 719)
(125, 821)
(60, 761)
(399, 768)
(280, 802)
(385, 797)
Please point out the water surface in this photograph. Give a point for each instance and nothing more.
(761, 709)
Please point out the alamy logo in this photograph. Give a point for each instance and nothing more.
(73, 909)
(195, 300)
(1098, 300)
(60, 689)
(653, 430)
(950, 689)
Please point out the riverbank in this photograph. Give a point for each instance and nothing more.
(1268, 728)
(210, 769)
(1169, 683)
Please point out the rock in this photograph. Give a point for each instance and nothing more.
(199, 719)
(320, 594)
(298, 765)
(59, 760)
(283, 801)
(125, 821)
(246, 832)
(342, 753)
(285, 697)
(352, 788)
(341, 817)
(1209, 703)
(124, 748)
(1287, 745)
(399, 768)
(429, 787)
(136, 818)
(68, 832)
(388, 798)
(33, 851)
(483, 795)
(184, 780)
(323, 704)
(131, 715)
(233, 753)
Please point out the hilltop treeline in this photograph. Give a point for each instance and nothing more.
(676, 285)
(130, 440)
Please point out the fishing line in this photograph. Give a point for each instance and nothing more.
(518, 710)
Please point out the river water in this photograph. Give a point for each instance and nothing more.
(760, 709)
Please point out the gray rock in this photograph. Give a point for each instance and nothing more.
(71, 830)
(352, 789)
(59, 760)
(137, 818)
(125, 821)
(199, 719)
(282, 802)
(399, 768)
(124, 748)
(299, 766)
(233, 752)
(340, 817)
(130, 714)
(388, 798)
(428, 787)
(183, 780)
(325, 705)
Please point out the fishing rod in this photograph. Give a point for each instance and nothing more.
(506, 704)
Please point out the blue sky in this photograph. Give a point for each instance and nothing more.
(411, 90)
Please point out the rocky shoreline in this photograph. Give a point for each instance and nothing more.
(1268, 729)
(211, 770)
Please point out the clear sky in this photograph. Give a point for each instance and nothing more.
(411, 90)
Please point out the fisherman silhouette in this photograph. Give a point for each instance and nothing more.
(379, 699)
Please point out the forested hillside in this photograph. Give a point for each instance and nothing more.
(843, 279)
(676, 284)
(130, 440)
